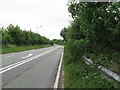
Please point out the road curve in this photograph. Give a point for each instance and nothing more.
(10, 58)
(37, 70)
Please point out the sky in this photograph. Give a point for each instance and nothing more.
(47, 17)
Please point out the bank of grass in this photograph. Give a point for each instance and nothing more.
(22, 48)
(80, 75)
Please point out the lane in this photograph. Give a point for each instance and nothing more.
(50, 60)
(11, 58)
(6, 68)
(8, 56)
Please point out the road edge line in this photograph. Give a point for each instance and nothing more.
(58, 72)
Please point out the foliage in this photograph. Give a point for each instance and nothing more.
(79, 75)
(14, 35)
(95, 26)
(58, 41)
(94, 33)
(63, 33)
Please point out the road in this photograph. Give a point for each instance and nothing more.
(31, 69)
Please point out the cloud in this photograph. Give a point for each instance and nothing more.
(29, 14)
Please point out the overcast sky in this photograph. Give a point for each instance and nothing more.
(52, 15)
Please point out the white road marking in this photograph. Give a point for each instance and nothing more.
(27, 56)
(9, 67)
(58, 73)
(9, 56)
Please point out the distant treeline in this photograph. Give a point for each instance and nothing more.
(58, 41)
(14, 35)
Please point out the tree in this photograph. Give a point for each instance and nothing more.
(95, 26)
(63, 33)
(14, 35)
(6, 38)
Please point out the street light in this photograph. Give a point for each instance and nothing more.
(38, 27)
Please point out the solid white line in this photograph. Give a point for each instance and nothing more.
(27, 56)
(10, 65)
(58, 73)
(7, 68)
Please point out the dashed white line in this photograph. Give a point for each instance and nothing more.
(29, 55)
(9, 67)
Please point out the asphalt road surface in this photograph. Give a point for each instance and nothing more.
(31, 69)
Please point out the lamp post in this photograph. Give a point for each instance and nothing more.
(38, 27)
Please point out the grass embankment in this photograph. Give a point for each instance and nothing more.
(22, 48)
(80, 75)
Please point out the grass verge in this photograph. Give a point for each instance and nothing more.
(80, 75)
(0, 49)
(22, 48)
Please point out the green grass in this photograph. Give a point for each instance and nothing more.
(80, 75)
(22, 48)
(0, 49)
(108, 59)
